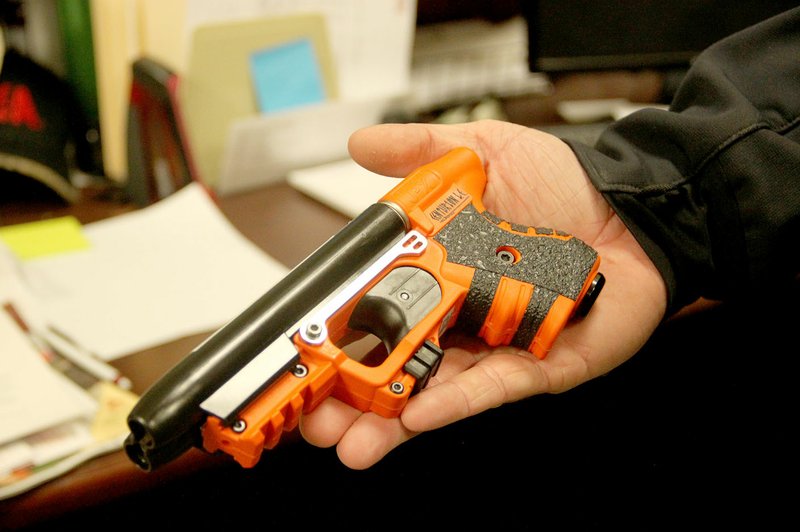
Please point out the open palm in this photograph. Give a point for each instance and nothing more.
(534, 179)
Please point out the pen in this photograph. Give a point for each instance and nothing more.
(76, 374)
(81, 356)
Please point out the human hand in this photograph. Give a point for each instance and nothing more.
(534, 179)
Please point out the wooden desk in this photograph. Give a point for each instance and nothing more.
(283, 222)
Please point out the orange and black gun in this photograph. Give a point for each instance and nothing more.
(424, 259)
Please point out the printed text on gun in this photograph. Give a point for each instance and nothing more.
(426, 258)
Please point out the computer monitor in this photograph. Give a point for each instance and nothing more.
(590, 35)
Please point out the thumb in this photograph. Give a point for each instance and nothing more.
(398, 149)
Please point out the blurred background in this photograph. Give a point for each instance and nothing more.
(145, 95)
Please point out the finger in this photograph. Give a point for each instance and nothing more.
(398, 149)
(371, 438)
(505, 376)
(363, 438)
(325, 426)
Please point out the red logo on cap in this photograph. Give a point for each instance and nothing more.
(17, 107)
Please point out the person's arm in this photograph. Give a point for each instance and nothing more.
(700, 199)
(710, 187)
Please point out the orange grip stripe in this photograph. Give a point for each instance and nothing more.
(506, 313)
(552, 325)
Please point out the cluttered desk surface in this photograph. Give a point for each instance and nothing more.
(271, 218)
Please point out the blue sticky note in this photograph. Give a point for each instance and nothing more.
(286, 76)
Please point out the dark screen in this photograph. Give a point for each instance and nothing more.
(575, 35)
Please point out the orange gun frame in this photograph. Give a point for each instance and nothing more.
(441, 261)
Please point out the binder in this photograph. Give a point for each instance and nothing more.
(75, 24)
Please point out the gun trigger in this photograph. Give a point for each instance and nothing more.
(424, 364)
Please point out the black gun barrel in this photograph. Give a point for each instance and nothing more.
(166, 421)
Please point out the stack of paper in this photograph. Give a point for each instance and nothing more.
(50, 422)
(34, 397)
(175, 268)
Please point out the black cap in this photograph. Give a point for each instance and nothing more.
(35, 125)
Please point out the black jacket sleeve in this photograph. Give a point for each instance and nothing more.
(711, 188)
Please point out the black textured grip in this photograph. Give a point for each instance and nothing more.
(479, 299)
(552, 265)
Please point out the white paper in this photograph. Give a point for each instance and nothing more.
(175, 268)
(265, 148)
(342, 185)
(14, 288)
(33, 396)
(45, 446)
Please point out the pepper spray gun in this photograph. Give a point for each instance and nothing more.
(424, 259)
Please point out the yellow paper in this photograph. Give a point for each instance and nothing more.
(114, 406)
(44, 237)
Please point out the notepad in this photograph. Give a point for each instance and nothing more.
(286, 76)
